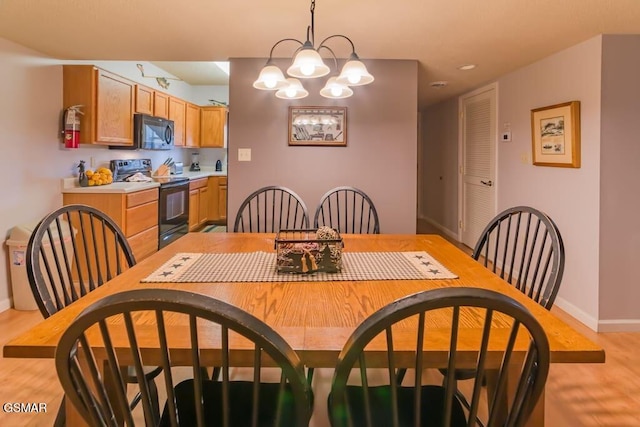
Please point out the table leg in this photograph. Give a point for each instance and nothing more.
(536, 419)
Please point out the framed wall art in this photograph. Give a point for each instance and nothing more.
(555, 135)
(323, 126)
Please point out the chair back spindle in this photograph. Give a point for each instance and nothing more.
(348, 210)
(271, 209)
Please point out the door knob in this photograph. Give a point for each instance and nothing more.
(487, 183)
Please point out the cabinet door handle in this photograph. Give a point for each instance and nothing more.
(487, 183)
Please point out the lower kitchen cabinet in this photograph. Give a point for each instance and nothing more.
(218, 199)
(135, 213)
(198, 203)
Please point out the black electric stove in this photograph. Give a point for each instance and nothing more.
(173, 197)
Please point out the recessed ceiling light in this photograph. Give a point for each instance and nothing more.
(438, 84)
(467, 67)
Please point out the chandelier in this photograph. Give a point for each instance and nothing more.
(308, 64)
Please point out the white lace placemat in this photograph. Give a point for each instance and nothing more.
(261, 267)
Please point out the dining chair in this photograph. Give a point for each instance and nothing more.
(509, 340)
(348, 210)
(270, 209)
(71, 252)
(524, 247)
(120, 328)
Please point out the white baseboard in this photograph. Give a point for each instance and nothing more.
(608, 325)
(577, 313)
(619, 325)
(5, 304)
(452, 234)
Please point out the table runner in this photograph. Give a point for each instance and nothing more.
(261, 267)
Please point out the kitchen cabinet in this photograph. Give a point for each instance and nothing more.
(222, 198)
(198, 203)
(144, 99)
(108, 103)
(151, 102)
(218, 199)
(212, 126)
(160, 104)
(135, 213)
(192, 126)
(177, 113)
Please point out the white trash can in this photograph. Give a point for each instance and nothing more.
(17, 244)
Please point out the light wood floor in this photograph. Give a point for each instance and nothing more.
(577, 395)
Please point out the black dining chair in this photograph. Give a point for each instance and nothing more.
(71, 252)
(348, 210)
(509, 340)
(214, 332)
(524, 247)
(270, 209)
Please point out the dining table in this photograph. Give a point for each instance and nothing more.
(314, 313)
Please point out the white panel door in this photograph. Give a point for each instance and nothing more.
(477, 163)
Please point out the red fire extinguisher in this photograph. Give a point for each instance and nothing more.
(71, 120)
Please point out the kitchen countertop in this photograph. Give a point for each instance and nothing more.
(70, 185)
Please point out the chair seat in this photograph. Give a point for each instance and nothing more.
(240, 394)
(431, 407)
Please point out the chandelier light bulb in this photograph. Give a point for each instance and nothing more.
(334, 89)
(354, 73)
(308, 64)
(307, 69)
(270, 78)
(353, 78)
(294, 90)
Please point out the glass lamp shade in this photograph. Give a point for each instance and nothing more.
(308, 65)
(354, 73)
(270, 78)
(293, 91)
(335, 90)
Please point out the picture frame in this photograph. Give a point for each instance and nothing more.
(319, 126)
(555, 135)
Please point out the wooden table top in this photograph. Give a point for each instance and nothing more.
(316, 318)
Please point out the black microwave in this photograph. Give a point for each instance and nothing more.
(150, 133)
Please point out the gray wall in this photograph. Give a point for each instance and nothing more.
(619, 179)
(595, 206)
(381, 153)
(570, 196)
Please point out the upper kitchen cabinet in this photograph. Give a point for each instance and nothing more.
(192, 131)
(144, 99)
(212, 123)
(108, 104)
(151, 102)
(160, 104)
(177, 113)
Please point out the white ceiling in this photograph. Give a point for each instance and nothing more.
(497, 35)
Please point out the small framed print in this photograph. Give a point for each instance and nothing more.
(322, 126)
(555, 135)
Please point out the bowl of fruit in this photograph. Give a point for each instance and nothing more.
(101, 176)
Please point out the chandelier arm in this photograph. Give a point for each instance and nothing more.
(333, 55)
(283, 40)
(353, 48)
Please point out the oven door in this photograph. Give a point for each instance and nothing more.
(173, 211)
